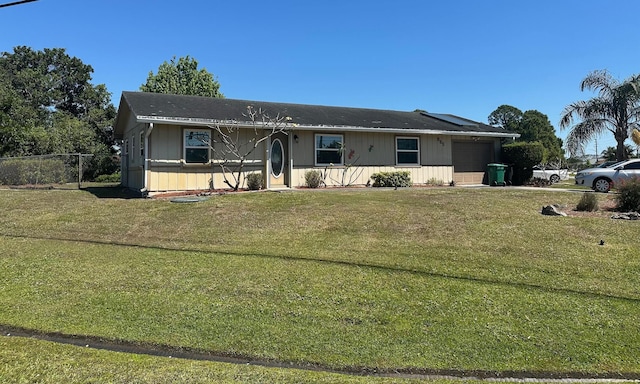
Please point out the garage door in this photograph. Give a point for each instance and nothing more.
(470, 161)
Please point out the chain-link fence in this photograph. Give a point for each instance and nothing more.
(56, 170)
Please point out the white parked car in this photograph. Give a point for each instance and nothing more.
(603, 179)
(552, 174)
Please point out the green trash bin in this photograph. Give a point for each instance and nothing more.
(496, 174)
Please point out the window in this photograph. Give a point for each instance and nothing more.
(634, 165)
(196, 145)
(329, 149)
(142, 144)
(407, 151)
(277, 161)
(133, 148)
(126, 146)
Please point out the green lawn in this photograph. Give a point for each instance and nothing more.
(415, 279)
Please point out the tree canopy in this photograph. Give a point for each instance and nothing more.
(533, 126)
(506, 117)
(182, 77)
(49, 105)
(614, 109)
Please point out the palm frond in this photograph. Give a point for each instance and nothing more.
(584, 132)
(600, 81)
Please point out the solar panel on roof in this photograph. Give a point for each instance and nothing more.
(451, 119)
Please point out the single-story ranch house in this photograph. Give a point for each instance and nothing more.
(169, 143)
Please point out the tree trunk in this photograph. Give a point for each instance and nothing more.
(620, 151)
(620, 135)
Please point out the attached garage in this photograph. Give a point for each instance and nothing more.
(470, 159)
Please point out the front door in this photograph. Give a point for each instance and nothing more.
(278, 161)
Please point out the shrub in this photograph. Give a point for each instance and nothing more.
(539, 182)
(254, 181)
(313, 178)
(112, 178)
(628, 197)
(436, 182)
(522, 156)
(588, 202)
(391, 179)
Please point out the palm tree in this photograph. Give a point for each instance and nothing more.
(609, 154)
(615, 109)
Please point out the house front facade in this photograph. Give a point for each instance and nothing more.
(172, 143)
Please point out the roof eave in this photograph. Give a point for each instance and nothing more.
(331, 128)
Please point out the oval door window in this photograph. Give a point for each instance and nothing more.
(277, 155)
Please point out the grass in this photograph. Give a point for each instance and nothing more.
(32, 361)
(416, 279)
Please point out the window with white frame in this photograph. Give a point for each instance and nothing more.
(407, 151)
(329, 149)
(196, 145)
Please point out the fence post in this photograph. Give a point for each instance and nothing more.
(79, 170)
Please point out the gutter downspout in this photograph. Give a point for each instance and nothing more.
(147, 133)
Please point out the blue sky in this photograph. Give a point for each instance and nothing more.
(463, 57)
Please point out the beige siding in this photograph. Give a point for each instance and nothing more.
(132, 163)
(166, 144)
(373, 149)
(193, 178)
(167, 170)
(370, 153)
(135, 177)
(362, 175)
(436, 150)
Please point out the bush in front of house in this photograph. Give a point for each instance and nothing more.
(588, 202)
(522, 157)
(392, 179)
(254, 181)
(628, 197)
(313, 178)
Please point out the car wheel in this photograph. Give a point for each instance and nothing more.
(554, 179)
(602, 185)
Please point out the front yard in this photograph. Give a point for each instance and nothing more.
(413, 280)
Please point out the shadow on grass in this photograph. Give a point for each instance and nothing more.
(111, 191)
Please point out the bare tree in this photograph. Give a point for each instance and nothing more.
(239, 140)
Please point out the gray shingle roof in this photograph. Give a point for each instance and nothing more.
(148, 107)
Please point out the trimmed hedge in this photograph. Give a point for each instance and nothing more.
(32, 171)
(392, 179)
(522, 157)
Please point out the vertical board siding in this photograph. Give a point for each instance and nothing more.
(362, 175)
(372, 152)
